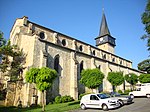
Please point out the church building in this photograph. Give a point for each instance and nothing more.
(45, 47)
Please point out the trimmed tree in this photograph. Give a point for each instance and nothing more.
(43, 79)
(144, 78)
(115, 78)
(91, 78)
(132, 79)
(31, 75)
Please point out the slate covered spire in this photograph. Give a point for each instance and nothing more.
(104, 40)
(104, 27)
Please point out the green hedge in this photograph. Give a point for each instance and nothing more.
(63, 99)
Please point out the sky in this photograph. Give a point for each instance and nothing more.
(81, 20)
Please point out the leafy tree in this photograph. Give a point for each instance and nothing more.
(144, 66)
(12, 60)
(146, 21)
(131, 78)
(91, 78)
(115, 78)
(43, 78)
(144, 78)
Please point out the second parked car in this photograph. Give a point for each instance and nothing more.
(122, 99)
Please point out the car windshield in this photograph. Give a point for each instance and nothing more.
(114, 94)
(102, 96)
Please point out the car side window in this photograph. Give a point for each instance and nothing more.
(138, 89)
(93, 97)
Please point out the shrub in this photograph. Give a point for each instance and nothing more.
(127, 92)
(120, 91)
(63, 99)
(66, 99)
(58, 99)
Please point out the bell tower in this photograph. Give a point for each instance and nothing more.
(105, 41)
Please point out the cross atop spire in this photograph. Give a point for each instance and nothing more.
(104, 27)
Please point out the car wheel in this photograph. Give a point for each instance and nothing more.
(132, 96)
(121, 102)
(148, 95)
(83, 107)
(104, 107)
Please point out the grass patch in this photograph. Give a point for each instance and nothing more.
(62, 107)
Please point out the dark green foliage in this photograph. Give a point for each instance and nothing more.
(120, 91)
(91, 78)
(146, 21)
(115, 78)
(144, 66)
(126, 92)
(63, 99)
(11, 58)
(12, 61)
(131, 78)
(66, 99)
(144, 78)
(58, 99)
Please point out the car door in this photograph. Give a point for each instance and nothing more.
(94, 102)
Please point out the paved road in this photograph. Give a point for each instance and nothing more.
(139, 105)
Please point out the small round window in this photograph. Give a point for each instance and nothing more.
(80, 48)
(64, 42)
(42, 35)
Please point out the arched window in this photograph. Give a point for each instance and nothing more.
(113, 60)
(94, 52)
(104, 56)
(81, 66)
(81, 48)
(56, 63)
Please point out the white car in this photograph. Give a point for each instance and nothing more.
(99, 101)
